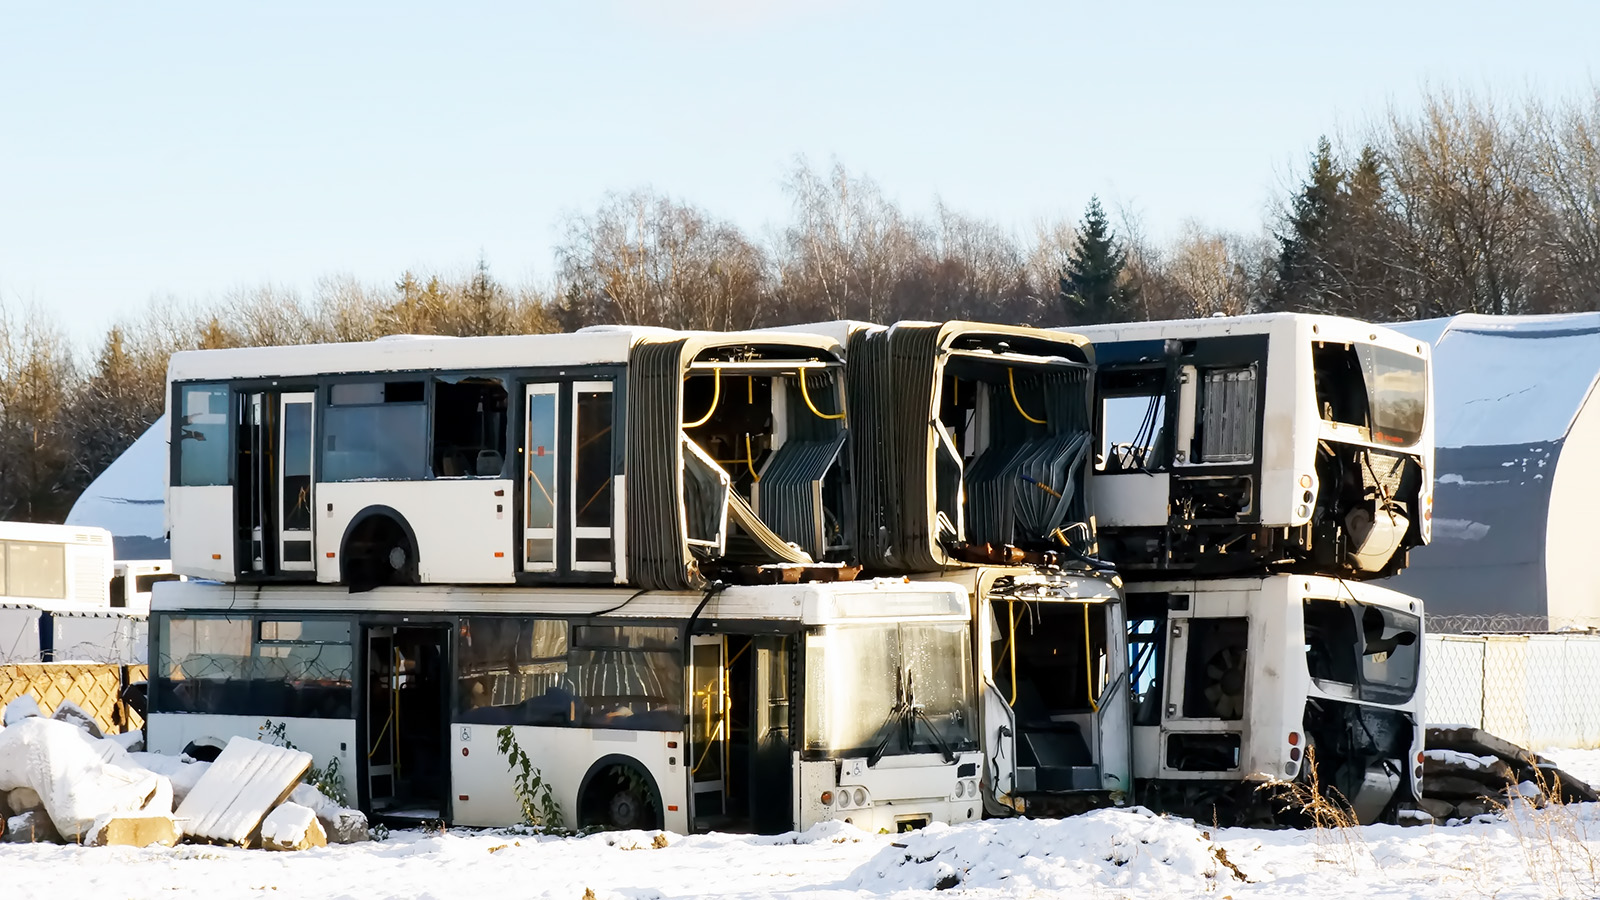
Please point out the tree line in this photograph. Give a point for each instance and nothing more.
(1464, 204)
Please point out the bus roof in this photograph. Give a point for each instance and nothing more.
(400, 353)
(1330, 328)
(60, 534)
(811, 604)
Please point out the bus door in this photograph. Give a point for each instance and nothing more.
(406, 700)
(708, 731)
(276, 481)
(999, 720)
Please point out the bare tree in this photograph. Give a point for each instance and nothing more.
(37, 381)
(645, 259)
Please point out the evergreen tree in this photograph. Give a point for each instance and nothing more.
(1304, 266)
(1092, 287)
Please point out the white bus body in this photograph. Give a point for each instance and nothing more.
(55, 563)
(1231, 445)
(501, 460)
(1235, 680)
(134, 578)
(764, 707)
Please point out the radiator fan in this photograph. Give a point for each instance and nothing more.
(1224, 689)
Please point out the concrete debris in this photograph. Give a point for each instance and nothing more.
(344, 826)
(247, 780)
(292, 827)
(77, 778)
(136, 830)
(23, 799)
(73, 714)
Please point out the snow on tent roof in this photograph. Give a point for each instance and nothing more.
(128, 499)
(1509, 379)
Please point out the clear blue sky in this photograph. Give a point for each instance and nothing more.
(188, 149)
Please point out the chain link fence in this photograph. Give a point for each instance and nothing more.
(1535, 690)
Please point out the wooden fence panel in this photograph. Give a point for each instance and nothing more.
(97, 687)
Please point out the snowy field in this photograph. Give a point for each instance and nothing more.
(1112, 853)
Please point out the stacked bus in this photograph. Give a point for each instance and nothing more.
(971, 450)
(631, 546)
(1249, 473)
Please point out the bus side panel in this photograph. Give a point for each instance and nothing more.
(465, 527)
(89, 571)
(201, 519)
(324, 739)
(482, 782)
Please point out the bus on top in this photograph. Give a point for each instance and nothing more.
(1276, 442)
(763, 708)
(611, 455)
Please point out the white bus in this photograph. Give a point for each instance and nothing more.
(1286, 442)
(134, 579)
(55, 602)
(608, 456)
(763, 708)
(1236, 680)
(970, 452)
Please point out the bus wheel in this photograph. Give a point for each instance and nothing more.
(619, 798)
(379, 552)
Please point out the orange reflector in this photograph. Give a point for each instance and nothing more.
(672, 807)
(672, 745)
(461, 796)
(330, 554)
(216, 556)
(1305, 481)
(498, 554)
(827, 798)
(1419, 756)
(1294, 738)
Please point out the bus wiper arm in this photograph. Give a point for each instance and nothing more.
(945, 750)
(901, 715)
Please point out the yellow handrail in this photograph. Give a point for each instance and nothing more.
(1011, 375)
(806, 395)
(716, 397)
(749, 458)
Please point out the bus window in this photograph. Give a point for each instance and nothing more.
(36, 570)
(469, 427)
(541, 489)
(514, 671)
(375, 430)
(592, 464)
(203, 435)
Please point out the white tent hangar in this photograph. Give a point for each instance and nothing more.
(1517, 485)
(129, 498)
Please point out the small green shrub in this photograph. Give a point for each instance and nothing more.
(540, 808)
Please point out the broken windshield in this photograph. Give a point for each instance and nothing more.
(889, 689)
(1369, 648)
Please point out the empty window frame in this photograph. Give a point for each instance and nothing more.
(469, 426)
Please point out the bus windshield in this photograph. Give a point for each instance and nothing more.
(889, 689)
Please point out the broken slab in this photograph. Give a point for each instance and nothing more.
(135, 830)
(248, 779)
(1525, 765)
(73, 714)
(343, 825)
(292, 827)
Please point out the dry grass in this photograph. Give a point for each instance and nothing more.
(1554, 838)
(1329, 814)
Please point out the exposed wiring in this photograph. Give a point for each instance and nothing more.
(1011, 377)
(716, 397)
(806, 396)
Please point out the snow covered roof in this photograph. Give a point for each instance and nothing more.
(128, 499)
(1501, 380)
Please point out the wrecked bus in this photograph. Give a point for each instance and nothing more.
(1279, 442)
(1239, 683)
(643, 457)
(970, 447)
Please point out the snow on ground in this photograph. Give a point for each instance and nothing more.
(1106, 854)
(1583, 765)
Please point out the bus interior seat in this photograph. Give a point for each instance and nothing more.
(489, 463)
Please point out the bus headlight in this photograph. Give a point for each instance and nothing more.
(861, 797)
